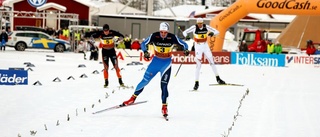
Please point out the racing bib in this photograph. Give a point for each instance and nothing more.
(200, 37)
(163, 51)
(107, 43)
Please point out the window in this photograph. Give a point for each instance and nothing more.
(43, 36)
(32, 35)
(21, 34)
(250, 37)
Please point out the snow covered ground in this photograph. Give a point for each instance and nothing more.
(275, 102)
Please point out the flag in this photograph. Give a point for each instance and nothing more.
(1, 2)
(192, 14)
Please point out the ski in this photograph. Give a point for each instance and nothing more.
(165, 116)
(125, 87)
(118, 106)
(193, 90)
(227, 84)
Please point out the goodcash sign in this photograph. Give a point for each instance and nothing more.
(37, 3)
(13, 77)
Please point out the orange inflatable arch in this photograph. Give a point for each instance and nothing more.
(241, 8)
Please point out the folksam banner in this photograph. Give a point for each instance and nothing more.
(258, 59)
(13, 77)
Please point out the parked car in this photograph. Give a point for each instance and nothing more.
(30, 28)
(21, 40)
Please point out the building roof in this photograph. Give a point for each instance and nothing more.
(179, 11)
(116, 8)
(186, 10)
(301, 29)
(96, 6)
(87, 3)
(109, 7)
(11, 2)
(52, 5)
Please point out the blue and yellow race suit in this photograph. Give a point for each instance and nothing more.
(161, 61)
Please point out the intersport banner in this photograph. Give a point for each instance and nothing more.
(302, 60)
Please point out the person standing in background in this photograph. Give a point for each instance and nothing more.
(311, 50)
(270, 47)
(9, 32)
(135, 44)
(77, 38)
(278, 48)
(3, 39)
(127, 41)
(243, 46)
(93, 49)
(121, 45)
(260, 47)
(200, 35)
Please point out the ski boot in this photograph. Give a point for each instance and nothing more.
(106, 83)
(130, 101)
(196, 85)
(220, 81)
(121, 83)
(164, 110)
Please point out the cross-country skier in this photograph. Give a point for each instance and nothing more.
(163, 43)
(200, 35)
(107, 43)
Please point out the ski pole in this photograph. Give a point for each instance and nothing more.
(127, 53)
(180, 66)
(179, 28)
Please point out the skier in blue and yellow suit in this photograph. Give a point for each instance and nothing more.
(163, 43)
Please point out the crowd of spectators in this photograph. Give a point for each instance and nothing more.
(262, 46)
(82, 35)
(276, 48)
(311, 49)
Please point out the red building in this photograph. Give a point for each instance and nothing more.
(54, 13)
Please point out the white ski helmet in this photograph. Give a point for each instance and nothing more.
(199, 20)
(164, 26)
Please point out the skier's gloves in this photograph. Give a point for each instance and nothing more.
(186, 52)
(115, 39)
(146, 55)
(210, 34)
(187, 38)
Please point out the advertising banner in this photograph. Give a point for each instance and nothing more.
(177, 57)
(239, 9)
(13, 77)
(258, 59)
(302, 60)
(218, 58)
